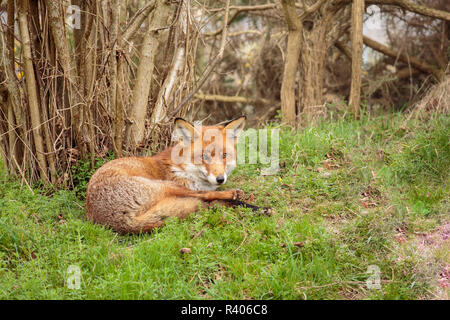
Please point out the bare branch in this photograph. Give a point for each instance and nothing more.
(247, 8)
(208, 72)
(230, 99)
(408, 5)
(415, 62)
(344, 49)
(137, 20)
(313, 8)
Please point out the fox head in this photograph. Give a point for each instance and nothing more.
(207, 153)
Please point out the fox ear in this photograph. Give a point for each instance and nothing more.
(234, 127)
(184, 129)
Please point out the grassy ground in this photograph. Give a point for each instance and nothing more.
(351, 197)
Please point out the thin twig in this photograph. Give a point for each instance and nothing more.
(208, 72)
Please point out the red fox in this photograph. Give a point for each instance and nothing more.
(134, 195)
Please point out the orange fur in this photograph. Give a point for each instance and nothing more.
(132, 195)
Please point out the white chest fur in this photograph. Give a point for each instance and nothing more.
(196, 175)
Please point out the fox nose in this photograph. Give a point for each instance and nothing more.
(220, 179)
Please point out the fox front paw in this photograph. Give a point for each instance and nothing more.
(238, 194)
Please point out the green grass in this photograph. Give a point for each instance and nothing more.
(344, 191)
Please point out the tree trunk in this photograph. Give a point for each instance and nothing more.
(288, 112)
(14, 115)
(120, 109)
(357, 46)
(168, 88)
(312, 69)
(114, 29)
(144, 76)
(12, 147)
(57, 28)
(31, 90)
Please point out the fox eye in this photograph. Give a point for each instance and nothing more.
(224, 155)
